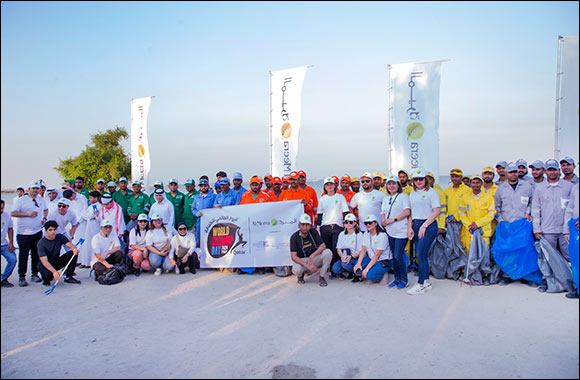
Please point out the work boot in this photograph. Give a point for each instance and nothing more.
(572, 295)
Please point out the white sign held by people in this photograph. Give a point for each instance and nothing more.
(285, 110)
(140, 158)
(414, 116)
(251, 235)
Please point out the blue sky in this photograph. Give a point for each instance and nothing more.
(69, 70)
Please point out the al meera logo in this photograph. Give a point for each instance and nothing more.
(274, 222)
(415, 130)
(286, 130)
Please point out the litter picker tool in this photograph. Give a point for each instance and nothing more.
(49, 291)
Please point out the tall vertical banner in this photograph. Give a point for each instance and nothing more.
(285, 112)
(414, 116)
(140, 158)
(566, 142)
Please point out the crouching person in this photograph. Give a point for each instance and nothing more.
(106, 249)
(50, 259)
(183, 250)
(309, 252)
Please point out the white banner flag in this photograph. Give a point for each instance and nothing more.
(252, 235)
(140, 158)
(285, 93)
(414, 116)
(567, 103)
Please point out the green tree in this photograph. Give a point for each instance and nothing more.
(104, 159)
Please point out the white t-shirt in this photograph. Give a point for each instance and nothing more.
(423, 202)
(52, 205)
(367, 203)
(6, 224)
(374, 243)
(187, 241)
(332, 208)
(63, 221)
(138, 240)
(352, 242)
(29, 225)
(101, 244)
(397, 204)
(158, 238)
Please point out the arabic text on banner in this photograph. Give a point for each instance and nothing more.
(140, 158)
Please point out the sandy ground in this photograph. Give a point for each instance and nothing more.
(222, 325)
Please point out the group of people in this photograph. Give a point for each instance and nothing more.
(360, 228)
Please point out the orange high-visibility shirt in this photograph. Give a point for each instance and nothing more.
(248, 198)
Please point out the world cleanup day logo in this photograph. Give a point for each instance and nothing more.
(223, 238)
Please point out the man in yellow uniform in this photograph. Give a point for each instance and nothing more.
(443, 213)
(405, 181)
(476, 210)
(453, 195)
(489, 188)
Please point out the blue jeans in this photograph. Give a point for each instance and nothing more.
(10, 262)
(398, 248)
(422, 246)
(376, 273)
(157, 261)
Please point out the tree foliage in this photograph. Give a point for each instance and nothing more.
(104, 159)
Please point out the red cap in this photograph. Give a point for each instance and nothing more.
(301, 173)
(277, 180)
(293, 175)
(335, 178)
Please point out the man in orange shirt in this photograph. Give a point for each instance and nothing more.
(285, 183)
(255, 194)
(295, 193)
(345, 188)
(276, 189)
(312, 198)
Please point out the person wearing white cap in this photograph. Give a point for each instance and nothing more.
(368, 201)
(100, 186)
(548, 207)
(308, 251)
(348, 246)
(537, 168)
(177, 199)
(106, 249)
(523, 170)
(375, 258)
(396, 218)
(500, 169)
(138, 252)
(165, 209)
(64, 216)
(567, 166)
(158, 241)
(111, 187)
(238, 189)
(425, 207)
(30, 212)
(332, 208)
(89, 226)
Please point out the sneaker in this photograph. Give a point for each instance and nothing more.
(301, 279)
(6, 284)
(157, 272)
(22, 282)
(543, 288)
(356, 279)
(428, 285)
(402, 285)
(46, 283)
(394, 283)
(35, 278)
(322, 281)
(572, 295)
(416, 289)
(137, 272)
(72, 280)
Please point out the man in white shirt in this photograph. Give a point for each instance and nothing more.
(7, 246)
(106, 249)
(368, 202)
(64, 216)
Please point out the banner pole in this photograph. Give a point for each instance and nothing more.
(557, 112)
(271, 145)
(389, 108)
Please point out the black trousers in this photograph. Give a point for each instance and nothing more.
(58, 264)
(114, 258)
(191, 262)
(28, 244)
(329, 234)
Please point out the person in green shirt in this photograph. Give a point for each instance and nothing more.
(177, 198)
(122, 197)
(139, 203)
(156, 185)
(80, 187)
(188, 218)
(111, 188)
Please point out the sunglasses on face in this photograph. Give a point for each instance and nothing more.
(368, 223)
(418, 179)
(61, 206)
(142, 221)
(182, 229)
(365, 180)
(348, 222)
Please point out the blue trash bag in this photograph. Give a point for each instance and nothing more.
(514, 251)
(573, 250)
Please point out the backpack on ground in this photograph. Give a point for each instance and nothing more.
(113, 275)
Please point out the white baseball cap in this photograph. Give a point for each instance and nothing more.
(64, 201)
(350, 217)
(393, 178)
(418, 173)
(142, 217)
(305, 219)
(328, 180)
(105, 223)
(371, 218)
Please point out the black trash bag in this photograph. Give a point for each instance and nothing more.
(554, 267)
(479, 263)
(113, 275)
(455, 254)
(438, 259)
